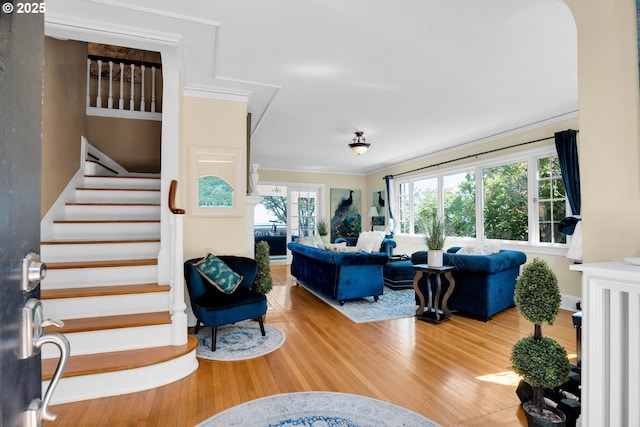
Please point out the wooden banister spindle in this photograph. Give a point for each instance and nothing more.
(110, 101)
(121, 100)
(99, 97)
(172, 199)
(131, 103)
(153, 89)
(142, 106)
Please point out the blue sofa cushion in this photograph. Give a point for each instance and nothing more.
(218, 274)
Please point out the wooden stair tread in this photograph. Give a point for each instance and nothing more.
(103, 221)
(111, 204)
(100, 291)
(101, 264)
(88, 324)
(98, 242)
(117, 361)
(116, 189)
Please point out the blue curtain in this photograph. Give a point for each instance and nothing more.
(567, 148)
(391, 202)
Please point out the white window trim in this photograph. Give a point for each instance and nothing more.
(530, 156)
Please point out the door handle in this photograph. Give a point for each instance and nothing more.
(32, 341)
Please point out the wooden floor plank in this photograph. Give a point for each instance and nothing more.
(456, 373)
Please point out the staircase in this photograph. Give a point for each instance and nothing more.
(102, 274)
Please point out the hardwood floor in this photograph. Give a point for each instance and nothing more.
(456, 373)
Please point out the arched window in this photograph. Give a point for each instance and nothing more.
(214, 192)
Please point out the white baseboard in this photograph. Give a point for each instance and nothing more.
(569, 302)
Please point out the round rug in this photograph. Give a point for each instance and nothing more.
(317, 409)
(239, 341)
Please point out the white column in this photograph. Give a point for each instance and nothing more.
(252, 202)
(178, 305)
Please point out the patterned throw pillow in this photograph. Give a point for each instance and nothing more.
(218, 274)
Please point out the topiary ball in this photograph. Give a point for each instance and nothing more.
(541, 362)
(537, 295)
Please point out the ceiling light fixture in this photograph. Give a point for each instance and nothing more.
(359, 144)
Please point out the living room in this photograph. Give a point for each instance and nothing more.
(608, 122)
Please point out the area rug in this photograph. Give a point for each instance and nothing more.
(240, 341)
(393, 304)
(317, 409)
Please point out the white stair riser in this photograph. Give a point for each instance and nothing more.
(106, 182)
(73, 389)
(81, 277)
(111, 212)
(99, 252)
(109, 340)
(109, 230)
(112, 305)
(115, 196)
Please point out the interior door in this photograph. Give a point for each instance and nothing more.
(21, 59)
(303, 207)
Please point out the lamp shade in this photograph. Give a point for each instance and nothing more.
(373, 211)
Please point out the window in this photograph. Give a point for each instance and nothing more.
(520, 198)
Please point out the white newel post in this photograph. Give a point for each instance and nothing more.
(178, 306)
(252, 202)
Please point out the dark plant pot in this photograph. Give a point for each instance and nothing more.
(534, 421)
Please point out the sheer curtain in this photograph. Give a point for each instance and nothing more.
(567, 148)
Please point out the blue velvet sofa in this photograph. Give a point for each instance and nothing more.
(485, 284)
(338, 275)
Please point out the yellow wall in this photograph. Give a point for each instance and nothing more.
(215, 123)
(609, 128)
(63, 115)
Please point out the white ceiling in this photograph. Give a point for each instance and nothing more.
(417, 76)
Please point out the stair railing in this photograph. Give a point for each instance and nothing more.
(178, 306)
(121, 76)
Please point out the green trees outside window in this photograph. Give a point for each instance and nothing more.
(214, 192)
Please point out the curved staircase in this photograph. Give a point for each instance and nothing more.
(101, 281)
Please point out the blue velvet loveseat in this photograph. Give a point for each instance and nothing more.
(485, 284)
(338, 275)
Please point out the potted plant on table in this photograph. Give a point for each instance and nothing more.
(541, 361)
(434, 237)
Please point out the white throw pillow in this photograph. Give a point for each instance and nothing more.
(370, 241)
(486, 248)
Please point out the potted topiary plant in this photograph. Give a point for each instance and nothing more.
(434, 237)
(263, 282)
(323, 228)
(540, 361)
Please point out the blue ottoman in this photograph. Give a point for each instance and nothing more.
(398, 274)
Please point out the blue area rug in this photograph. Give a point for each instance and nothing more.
(393, 304)
(317, 409)
(240, 341)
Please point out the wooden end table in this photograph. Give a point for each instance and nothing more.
(433, 313)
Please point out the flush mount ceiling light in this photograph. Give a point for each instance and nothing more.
(359, 144)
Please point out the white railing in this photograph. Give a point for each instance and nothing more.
(610, 344)
(123, 79)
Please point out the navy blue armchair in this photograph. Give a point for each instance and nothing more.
(215, 308)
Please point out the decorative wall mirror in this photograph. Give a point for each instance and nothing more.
(215, 181)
